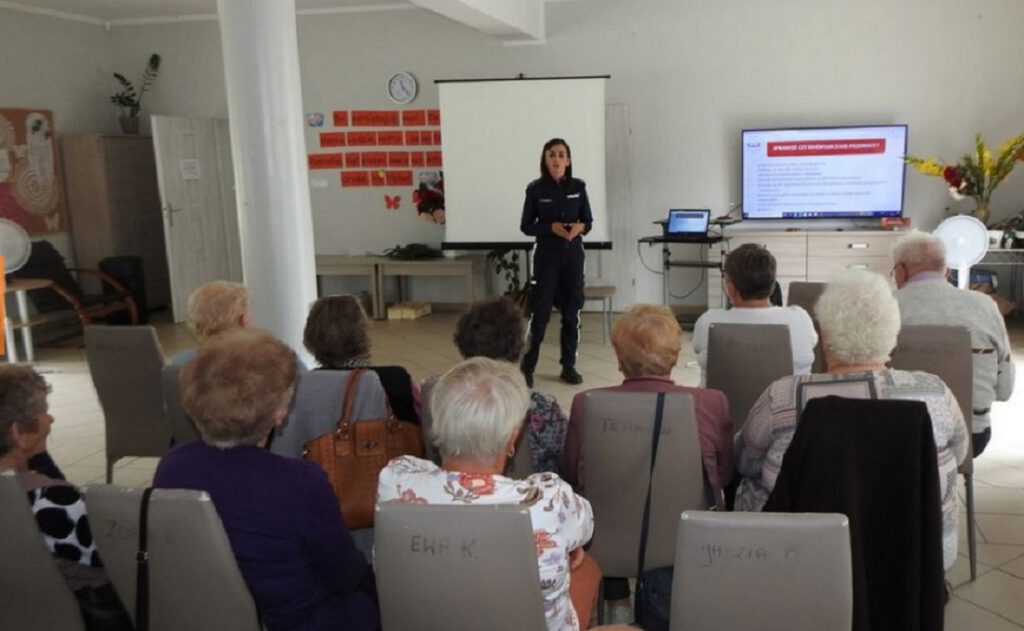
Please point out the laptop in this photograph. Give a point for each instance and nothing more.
(687, 224)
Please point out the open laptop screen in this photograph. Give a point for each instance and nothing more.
(684, 221)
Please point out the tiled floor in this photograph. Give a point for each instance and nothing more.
(995, 602)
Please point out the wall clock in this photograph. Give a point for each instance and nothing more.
(402, 87)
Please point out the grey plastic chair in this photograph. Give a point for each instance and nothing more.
(457, 567)
(319, 398)
(805, 294)
(743, 360)
(126, 364)
(194, 581)
(182, 429)
(617, 432)
(784, 572)
(34, 592)
(945, 351)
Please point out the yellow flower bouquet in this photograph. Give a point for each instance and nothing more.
(977, 174)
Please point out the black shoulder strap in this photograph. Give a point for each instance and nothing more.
(142, 566)
(650, 482)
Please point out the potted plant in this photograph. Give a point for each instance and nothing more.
(505, 262)
(128, 100)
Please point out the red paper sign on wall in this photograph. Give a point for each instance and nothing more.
(375, 159)
(325, 161)
(332, 139)
(354, 178)
(375, 118)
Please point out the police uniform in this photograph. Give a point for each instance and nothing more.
(557, 263)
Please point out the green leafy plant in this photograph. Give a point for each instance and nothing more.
(127, 99)
(505, 262)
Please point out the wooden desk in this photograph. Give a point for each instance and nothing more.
(342, 265)
(464, 266)
(24, 323)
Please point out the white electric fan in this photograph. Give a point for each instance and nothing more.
(15, 246)
(966, 240)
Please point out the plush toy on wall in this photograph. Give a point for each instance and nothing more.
(429, 197)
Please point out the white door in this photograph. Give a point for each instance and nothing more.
(197, 195)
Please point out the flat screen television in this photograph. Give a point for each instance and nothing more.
(824, 172)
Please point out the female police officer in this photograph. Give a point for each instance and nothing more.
(557, 213)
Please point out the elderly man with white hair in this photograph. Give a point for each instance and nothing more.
(859, 323)
(925, 297)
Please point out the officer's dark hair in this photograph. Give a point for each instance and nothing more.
(751, 268)
(544, 175)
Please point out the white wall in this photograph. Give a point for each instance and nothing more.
(692, 73)
(59, 65)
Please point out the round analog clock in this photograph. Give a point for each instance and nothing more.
(402, 87)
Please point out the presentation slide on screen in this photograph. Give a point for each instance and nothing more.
(843, 172)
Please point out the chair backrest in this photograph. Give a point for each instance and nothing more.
(944, 351)
(784, 571)
(457, 567)
(805, 294)
(126, 364)
(874, 461)
(319, 399)
(427, 420)
(743, 359)
(617, 432)
(194, 581)
(45, 261)
(35, 594)
(182, 429)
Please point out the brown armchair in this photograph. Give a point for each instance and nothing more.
(46, 262)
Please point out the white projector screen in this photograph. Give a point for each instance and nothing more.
(492, 133)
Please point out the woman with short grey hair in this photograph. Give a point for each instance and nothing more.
(478, 408)
(280, 514)
(859, 322)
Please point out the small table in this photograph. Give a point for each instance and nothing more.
(465, 267)
(343, 265)
(24, 323)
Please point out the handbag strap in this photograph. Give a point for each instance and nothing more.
(650, 482)
(142, 566)
(351, 387)
(345, 422)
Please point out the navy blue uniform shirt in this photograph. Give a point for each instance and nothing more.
(548, 203)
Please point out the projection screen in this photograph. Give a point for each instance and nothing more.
(492, 133)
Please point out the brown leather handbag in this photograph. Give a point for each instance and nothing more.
(353, 455)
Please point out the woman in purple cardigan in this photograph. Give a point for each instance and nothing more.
(280, 514)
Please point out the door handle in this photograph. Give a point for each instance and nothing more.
(169, 211)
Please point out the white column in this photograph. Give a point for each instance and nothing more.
(261, 69)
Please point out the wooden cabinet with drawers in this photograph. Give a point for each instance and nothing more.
(811, 255)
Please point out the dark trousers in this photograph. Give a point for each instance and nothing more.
(980, 440)
(558, 282)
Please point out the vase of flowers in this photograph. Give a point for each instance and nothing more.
(977, 174)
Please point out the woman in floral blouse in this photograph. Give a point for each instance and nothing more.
(496, 329)
(478, 408)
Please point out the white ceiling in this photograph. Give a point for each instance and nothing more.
(118, 10)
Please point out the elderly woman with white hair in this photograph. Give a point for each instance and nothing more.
(859, 322)
(215, 308)
(478, 408)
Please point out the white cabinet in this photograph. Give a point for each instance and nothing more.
(813, 256)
